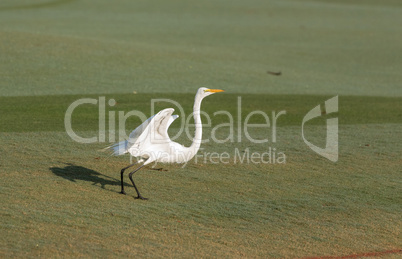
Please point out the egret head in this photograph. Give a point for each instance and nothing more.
(204, 92)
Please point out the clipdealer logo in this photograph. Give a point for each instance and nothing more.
(331, 147)
(330, 151)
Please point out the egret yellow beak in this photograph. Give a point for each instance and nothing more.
(213, 90)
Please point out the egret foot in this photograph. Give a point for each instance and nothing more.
(123, 192)
(140, 197)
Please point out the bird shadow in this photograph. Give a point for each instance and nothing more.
(76, 173)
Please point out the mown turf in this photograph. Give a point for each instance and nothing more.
(91, 47)
(60, 198)
(47, 113)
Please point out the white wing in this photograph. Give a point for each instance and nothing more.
(171, 120)
(122, 147)
(152, 132)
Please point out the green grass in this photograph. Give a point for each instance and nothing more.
(46, 113)
(60, 198)
(321, 47)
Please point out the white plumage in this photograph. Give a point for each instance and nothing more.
(150, 141)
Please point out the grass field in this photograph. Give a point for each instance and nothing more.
(61, 198)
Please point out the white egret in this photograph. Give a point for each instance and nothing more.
(150, 141)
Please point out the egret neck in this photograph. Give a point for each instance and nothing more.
(195, 146)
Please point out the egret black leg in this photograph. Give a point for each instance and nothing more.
(131, 178)
(121, 174)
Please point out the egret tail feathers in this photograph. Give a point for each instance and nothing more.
(118, 149)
